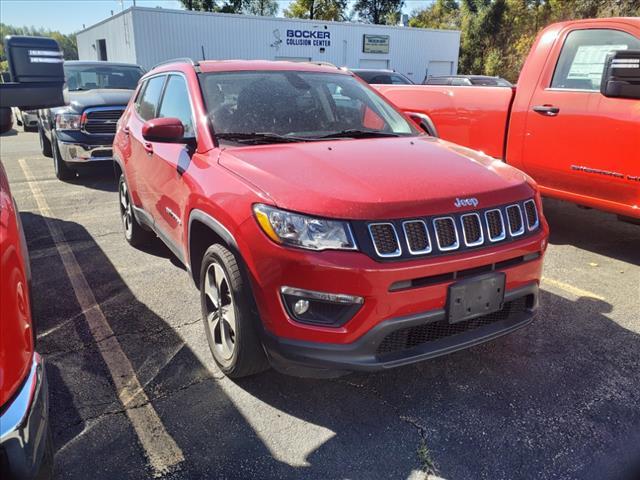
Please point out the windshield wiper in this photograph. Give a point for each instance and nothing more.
(355, 133)
(259, 137)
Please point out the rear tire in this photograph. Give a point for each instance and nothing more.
(45, 144)
(134, 233)
(230, 321)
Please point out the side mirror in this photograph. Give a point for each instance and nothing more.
(37, 75)
(163, 130)
(423, 122)
(621, 76)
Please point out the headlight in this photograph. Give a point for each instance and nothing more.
(303, 231)
(68, 121)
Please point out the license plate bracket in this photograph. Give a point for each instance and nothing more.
(476, 296)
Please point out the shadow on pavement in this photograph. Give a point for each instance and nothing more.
(592, 230)
(558, 399)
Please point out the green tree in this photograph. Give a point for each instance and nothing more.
(264, 8)
(382, 12)
(200, 5)
(440, 14)
(317, 9)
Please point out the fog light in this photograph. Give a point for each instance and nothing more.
(301, 306)
(320, 308)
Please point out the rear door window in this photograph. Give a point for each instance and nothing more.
(581, 62)
(147, 103)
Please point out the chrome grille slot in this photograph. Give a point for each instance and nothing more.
(446, 233)
(516, 223)
(495, 225)
(472, 230)
(532, 214)
(418, 239)
(101, 121)
(385, 239)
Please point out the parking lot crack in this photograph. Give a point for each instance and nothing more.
(427, 464)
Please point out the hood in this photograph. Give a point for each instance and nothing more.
(376, 178)
(79, 100)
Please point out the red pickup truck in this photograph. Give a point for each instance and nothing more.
(572, 122)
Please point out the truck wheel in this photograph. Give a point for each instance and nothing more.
(62, 171)
(228, 316)
(45, 144)
(134, 233)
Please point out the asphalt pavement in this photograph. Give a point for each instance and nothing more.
(136, 395)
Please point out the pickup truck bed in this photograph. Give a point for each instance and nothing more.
(475, 117)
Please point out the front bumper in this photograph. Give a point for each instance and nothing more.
(396, 342)
(80, 153)
(24, 426)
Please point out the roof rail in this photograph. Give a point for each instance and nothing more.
(322, 64)
(177, 60)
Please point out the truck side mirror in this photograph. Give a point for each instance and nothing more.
(621, 77)
(35, 64)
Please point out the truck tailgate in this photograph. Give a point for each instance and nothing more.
(475, 117)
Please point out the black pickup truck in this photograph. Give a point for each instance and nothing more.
(81, 133)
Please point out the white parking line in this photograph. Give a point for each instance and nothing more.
(160, 448)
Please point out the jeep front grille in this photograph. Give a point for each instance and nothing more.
(532, 214)
(495, 225)
(516, 225)
(417, 235)
(472, 230)
(444, 234)
(385, 239)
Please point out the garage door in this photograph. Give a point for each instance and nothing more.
(375, 63)
(438, 67)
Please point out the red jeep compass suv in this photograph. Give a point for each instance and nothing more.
(325, 231)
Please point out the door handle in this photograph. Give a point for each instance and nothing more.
(546, 110)
(148, 147)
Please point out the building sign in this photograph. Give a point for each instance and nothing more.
(375, 43)
(308, 38)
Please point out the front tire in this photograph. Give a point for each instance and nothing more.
(63, 172)
(134, 233)
(229, 319)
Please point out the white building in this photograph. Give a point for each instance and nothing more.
(147, 36)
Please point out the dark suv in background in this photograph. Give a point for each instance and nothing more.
(382, 77)
(82, 132)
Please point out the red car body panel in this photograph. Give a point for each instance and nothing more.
(383, 178)
(588, 154)
(17, 337)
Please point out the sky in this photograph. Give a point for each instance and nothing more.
(69, 16)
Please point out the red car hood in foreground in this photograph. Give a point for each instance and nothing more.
(376, 178)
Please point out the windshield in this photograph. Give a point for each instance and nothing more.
(302, 106)
(89, 77)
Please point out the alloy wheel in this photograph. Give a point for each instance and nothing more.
(220, 311)
(125, 210)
